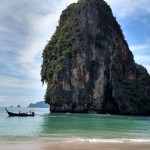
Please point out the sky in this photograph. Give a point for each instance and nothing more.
(27, 25)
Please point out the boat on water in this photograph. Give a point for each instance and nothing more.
(20, 114)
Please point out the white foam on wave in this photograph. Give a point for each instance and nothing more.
(110, 140)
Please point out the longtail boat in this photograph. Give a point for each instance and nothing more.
(20, 114)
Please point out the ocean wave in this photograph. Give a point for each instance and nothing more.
(124, 140)
(58, 116)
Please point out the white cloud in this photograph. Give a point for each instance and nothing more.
(139, 47)
(20, 84)
(148, 68)
(141, 54)
(126, 8)
(142, 58)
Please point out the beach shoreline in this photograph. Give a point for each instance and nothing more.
(76, 145)
(74, 132)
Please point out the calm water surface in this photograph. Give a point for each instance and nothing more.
(72, 126)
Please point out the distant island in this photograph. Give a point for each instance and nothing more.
(40, 104)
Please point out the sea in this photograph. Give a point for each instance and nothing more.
(54, 127)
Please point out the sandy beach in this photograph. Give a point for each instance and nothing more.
(72, 146)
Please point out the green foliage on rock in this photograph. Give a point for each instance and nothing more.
(136, 94)
(61, 46)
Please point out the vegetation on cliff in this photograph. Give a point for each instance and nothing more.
(61, 46)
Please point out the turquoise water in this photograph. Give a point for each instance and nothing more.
(72, 126)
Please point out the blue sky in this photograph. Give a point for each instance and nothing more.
(27, 25)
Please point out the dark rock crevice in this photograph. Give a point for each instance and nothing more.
(110, 105)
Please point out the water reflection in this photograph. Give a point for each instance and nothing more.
(95, 126)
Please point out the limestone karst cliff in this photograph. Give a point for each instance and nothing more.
(88, 66)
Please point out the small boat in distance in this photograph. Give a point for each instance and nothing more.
(20, 114)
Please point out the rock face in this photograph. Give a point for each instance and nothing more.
(88, 66)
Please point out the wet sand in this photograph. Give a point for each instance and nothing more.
(72, 146)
